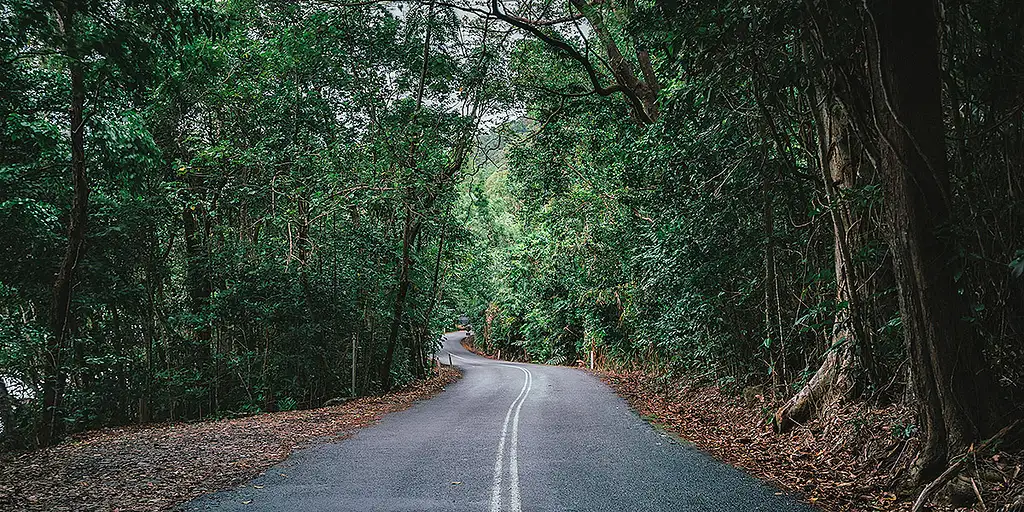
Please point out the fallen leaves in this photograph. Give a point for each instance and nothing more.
(852, 460)
(157, 467)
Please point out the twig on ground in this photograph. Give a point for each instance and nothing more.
(956, 468)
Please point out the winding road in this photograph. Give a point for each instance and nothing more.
(506, 437)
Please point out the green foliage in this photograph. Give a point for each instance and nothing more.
(703, 243)
(268, 187)
(250, 165)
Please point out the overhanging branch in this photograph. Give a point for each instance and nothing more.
(562, 46)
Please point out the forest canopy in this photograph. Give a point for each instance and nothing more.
(221, 208)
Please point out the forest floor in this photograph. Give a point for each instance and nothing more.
(157, 467)
(855, 459)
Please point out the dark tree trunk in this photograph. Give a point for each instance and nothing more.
(368, 353)
(63, 287)
(772, 304)
(199, 289)
(952, 391)
(409, 231)
(424, 331)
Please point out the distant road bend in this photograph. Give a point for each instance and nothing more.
(507, 437)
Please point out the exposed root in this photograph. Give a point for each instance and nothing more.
(829, 385)
(952, 471)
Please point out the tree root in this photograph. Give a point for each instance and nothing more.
(955, 469)
(829, 384)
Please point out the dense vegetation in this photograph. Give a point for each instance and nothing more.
(208, 203)
(820, 197)
(251, 188)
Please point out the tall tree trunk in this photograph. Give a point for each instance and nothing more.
(841, 160)
(368, 353)
(63, 287)
(952, 391)
(426, 56)
(409, 231)
(423, 364)
(198, 281)
(772, 307)
(199, 288)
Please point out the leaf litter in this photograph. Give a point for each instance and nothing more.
(855, 458)
(157, 467)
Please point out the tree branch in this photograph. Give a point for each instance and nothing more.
(562, 46)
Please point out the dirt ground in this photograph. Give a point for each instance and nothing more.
(157, 467)
(853, 460)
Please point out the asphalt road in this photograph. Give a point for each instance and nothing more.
(506, 437)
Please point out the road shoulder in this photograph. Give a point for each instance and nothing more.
(833, 464)
(157, 467)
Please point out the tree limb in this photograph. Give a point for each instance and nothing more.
(562, 46)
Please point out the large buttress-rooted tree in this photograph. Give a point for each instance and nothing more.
(952, 389)
(842, 162)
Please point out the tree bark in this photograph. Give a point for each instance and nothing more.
(772, 304)
(409, 232)
(422, 364)
(426, 56)
(841, 160)
(60, 307)
(952, 390)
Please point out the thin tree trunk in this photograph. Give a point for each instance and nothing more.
(771, 296)
(63, 287)
(148, 334)
(409, 232)
(426, 56)
(425, 330)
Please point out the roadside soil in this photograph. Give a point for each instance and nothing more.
(157, 467)
(853, 459)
